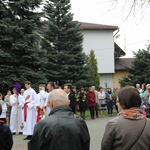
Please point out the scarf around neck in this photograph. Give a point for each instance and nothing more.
(133, 113)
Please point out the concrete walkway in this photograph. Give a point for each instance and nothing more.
(96, 129)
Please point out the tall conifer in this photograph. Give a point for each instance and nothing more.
(139, 72)
(94, 78)
(20, 56)
(63, 41)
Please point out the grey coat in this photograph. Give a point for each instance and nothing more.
(120, 134)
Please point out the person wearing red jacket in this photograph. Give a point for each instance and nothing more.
(91, 97)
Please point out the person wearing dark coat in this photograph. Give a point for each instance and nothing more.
(61, 130)
(71, 96)
(82, 103)
(6, 140)
(109, 101)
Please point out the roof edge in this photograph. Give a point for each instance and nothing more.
(94, 26)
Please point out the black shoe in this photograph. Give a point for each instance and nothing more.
(26, 138)
(29, 137)
(20, 132)
(13, 133)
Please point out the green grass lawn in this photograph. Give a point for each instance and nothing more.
(87, 113)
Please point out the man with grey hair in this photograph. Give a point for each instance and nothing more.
(62, 129)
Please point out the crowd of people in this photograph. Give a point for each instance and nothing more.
(34, 104)
(98, 101)
(51, 115)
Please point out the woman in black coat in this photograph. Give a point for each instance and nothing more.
(82, 103)
(109, 101)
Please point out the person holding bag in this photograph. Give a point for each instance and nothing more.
(130, 129)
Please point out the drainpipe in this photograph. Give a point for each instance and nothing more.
(116, 33)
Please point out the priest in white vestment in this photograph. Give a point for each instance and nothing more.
(16, 120)
(29, 110)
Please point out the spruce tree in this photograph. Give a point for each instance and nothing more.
(140, 70)
(20, 56)
(62, 40)
(94, 78)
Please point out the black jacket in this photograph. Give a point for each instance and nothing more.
(6, 141)
(82, 100)
(62, 130)
(72, 99)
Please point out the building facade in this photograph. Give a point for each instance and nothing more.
(100, 38)
(120, 69)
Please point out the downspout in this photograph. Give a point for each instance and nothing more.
(116, 33)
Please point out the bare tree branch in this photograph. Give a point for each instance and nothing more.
(136, 5)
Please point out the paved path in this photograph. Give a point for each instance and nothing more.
(96, 129)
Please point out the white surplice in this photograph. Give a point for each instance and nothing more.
(4, 109)
(16, 117)
(31, 112)
(42, 100)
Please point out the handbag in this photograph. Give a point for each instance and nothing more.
(77, 107)
(103, 104)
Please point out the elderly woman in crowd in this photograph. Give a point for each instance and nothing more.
(130, 129)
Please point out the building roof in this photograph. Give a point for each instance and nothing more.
(118, 51)
(122, 63)
(93, 26)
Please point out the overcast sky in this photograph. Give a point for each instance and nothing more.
(134, 32)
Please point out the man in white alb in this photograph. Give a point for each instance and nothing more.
(29, 110)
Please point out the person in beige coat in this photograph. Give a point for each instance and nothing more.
(130, 130)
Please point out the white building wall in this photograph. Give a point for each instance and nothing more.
(102, 42)
(106, 80)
